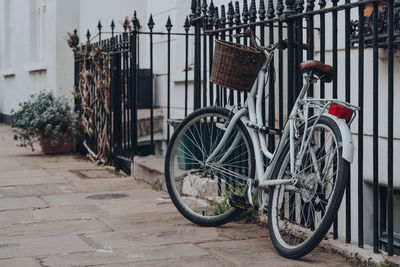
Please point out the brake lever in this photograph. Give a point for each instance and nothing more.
(238, 35)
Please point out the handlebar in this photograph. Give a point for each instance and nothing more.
(284, 44)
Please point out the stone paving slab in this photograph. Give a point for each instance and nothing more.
(65, 165)
(112, 184)
(20, 262)
(81, 198)
(257, 252)
(124, 207)
(55, 228)
(14, 203)
(32, 181)
(122, 222)
(23, 173)
(42, 246)
(12, 217)
(13, 164)
(28, 189)
(109, 255)
(81, 212)
(148, 236)
(179, 262)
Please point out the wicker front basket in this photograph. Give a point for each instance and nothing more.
(235, 66)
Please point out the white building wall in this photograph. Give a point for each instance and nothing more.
(25, 73)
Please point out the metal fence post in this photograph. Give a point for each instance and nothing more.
(169, 27)
(133, 50)
(150, 24)
(197, 54)
(390, 124)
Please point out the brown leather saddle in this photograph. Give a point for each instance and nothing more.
(323, 71)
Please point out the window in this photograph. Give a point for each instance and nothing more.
(9, 31)
(37, 30)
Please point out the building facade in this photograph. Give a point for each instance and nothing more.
(34, 56)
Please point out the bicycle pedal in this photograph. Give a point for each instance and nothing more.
(239, 202)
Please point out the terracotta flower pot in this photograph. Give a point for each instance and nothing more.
(47, 148)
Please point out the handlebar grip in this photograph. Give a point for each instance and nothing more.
(248, 32)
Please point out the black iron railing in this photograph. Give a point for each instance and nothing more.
(332, 32)
(131, 88)
(311, 22)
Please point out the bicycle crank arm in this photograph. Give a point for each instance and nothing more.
(267, 183)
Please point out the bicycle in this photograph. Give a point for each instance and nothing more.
(214, 166)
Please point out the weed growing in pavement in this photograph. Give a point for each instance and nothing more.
(157, 186)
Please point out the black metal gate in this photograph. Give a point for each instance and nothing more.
(131, 88)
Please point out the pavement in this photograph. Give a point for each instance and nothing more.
(67, 211)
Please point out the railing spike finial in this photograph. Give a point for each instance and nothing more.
(99, 26)
(75, 31)
(261, 11)
(223, 16)
(211, 10)
(112, 25)
(310, 5)
(198, 8)
(290, 8)
(230, 13)
(279, 7)
(204, 7)
(253, 11)
(134, 18)
(334, 1)
(237, 13)
(322, 3)
(193, 7)
(186, 26)
(151, 22)
(169, 24)
(271, 10)
(245, 13)
(88, 35)
(216, 18)
(299, 6)
(135, 21)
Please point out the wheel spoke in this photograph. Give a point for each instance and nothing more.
(299, 210)
(203, 190)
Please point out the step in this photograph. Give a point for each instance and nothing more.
(393, 261)
(149, 169)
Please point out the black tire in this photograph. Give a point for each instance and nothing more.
(278, 210)
(177, 195)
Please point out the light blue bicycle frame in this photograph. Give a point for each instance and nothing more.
(251, 115)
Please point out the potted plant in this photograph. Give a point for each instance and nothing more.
(47, 120)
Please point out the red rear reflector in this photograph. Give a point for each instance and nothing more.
(340, 112)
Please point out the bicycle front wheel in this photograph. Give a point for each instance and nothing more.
(301, 214)
(200, 190)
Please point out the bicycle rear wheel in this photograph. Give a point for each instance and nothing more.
(201, 191)
(301, 215)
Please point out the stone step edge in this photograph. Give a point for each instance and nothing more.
(393, 261)
(149, 169)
